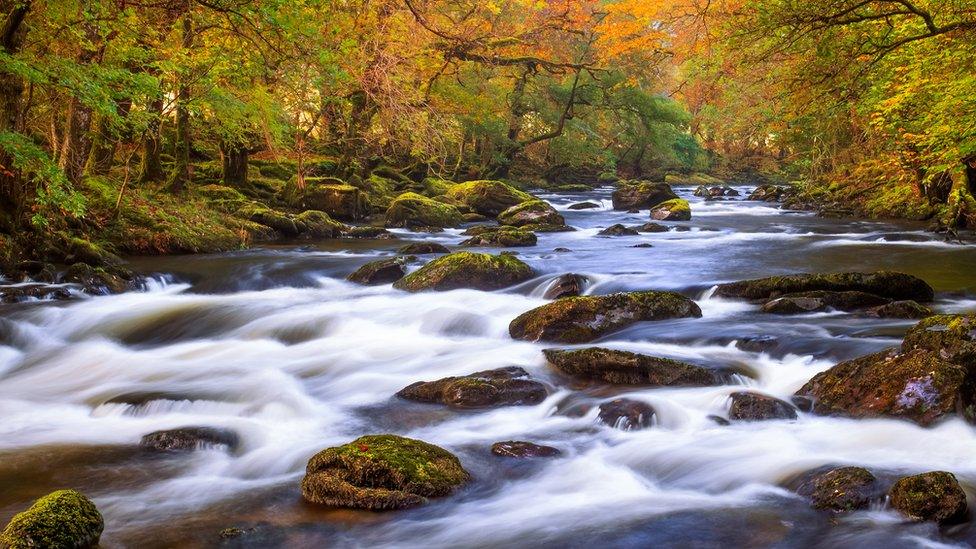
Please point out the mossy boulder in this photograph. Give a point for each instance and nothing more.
(467, 270)
(218, 192)
(768, 193)
(379, 472)
(951, 336)
(816, 301)
(533, 212)
(841, 490)
(626, 414)
(918, 385)
(693, 179)
(934, 496)
(502, 387)
(618, 230)
(98, 280)
(368, 232)
(625, 368)
(378, 273)
(751, 406)
(585, 318)
(487, 197)
(263, 215)
(316, 224)
(677, 209)
(380, 191)
(883, 283)
(501, 237)
(423, 248)
(332, 196)
(65, 519)
(901, 309)
(413, 210)
(584, 206)
(640, 195)
(547, 228)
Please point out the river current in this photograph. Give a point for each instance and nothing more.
(273, 344)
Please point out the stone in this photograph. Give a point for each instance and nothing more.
(841, 490)
(520, 449)
(533, 212)
(672, 210)
(626, 414)
(934, 496)
(491, 388)
(413, 210)
(567, 285)
(423, 248)
(751, 406)
(625, 368)
(467, 270)
(187, 439)
(887, 284)
(64, 519)
(640, 195)
(378, 273)
(618, 230)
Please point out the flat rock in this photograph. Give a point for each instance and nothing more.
(520, 449)
(491, 388)
(625, 368)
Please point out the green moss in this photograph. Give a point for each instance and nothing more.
(883, 283)
(487, 197)
(218, 192)
(414, 210)
(318, 224)
(624, 368)
(531, 212)
(433, 186)
(467, 270)
(63, 519)
(676, 209)
(934, 496)
(501, 237)
(693, 180)
(952, 336)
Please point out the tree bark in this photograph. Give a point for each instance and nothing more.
(13, 188)
(151, 167)
(77, 136)
(234, 164)
(105, 140)
(180, 175)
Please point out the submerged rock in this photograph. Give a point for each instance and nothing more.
(567, 285)
(624, 368)
(841, 490)
(186, 439)
(750, 406)
(816, 301)
(757, 344)
(585, 206)
(520, 449)
(65, 519)
(934, 496)
(533, 212)
(641, 195)
(423, 248)
(883, 283)
(413, 210)
(488, 198)
(467, 270)
(902, 309)
(618, 230)
(380, 472)
(378, 273)
(585, 318)
(501, 237)
(502, 387)
(672, 210)
(627, 414)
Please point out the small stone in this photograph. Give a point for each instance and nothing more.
(187, 439)
(750, 406)
(627, 414)
(618, 230)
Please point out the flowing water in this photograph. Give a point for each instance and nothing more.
(274, 344)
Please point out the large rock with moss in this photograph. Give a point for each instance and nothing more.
(65, 519)
(332, 196)
(919, 385)
(677, 209)
(379, 472)
(641, 195)
(501, 237)
(585, 318)
(841, 490)
(883, 283)
(934, 496)
(379, 272)
(487, 197)
(953, 337)
(624, 368)
(467, 270)
(316, 224)
(413, 210)
(533, 212)
(502, 387)
(816, 301)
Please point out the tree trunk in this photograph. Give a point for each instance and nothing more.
(151, 167)
(105, 140)
(180, 175)
(234, 164)
(13, 188)
(77, 136)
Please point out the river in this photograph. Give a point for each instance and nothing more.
(275, 345)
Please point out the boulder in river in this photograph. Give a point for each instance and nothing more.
(641, 195)
(882, 283)
(413, 210)
(547, 228)
(618, 230)
(368, 232)
(673, 210)
(502, 387)
(584, 206)
(901, 309)
(502, 237)
(380, 472)
(423, 248)
(486, 197)
(378, 273)
(60, 520)
(934, 496)
(820, 300)
(625, 368)
(187, 439)
(567, 285)
(585, 318)
(627, 414)
(751, 406)
(533, 212)
(332, 196)
(841, 490)
(521, 449)
(767, 193)
(467, 270)
(953, 337)
(652, 228)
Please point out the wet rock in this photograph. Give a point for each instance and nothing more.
(491, 388)
(585, 318)
(841, 490)
(423, 248)
(757, 344)
(414, 210)
(332, 196)
(672, 210)
(641, 195)
(472, 217)
(808, 302)
(652, 228)
(729, 191)
(934, 496)
(368, 232)
(618, 230)
(380, 472)
(60, 520)
(901, 309)
(643, 245)
(768, 193)
(918, 386)
(502, 237)
(883, 283)
(97, 281)
(701, 191)
(750, 406)
(624, 368)
(186, 439)
(567, 285)
(31, 292)
(488, 198)
(547, 228)
(627, 414)
(584, 206)
(520, 449)
(953, 337)
(562, 250)
(719, 420)
(533, 212)
(316, 224)
(378, 273)
(467, 270)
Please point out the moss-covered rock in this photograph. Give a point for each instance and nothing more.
(423, 248)
(768, 193)
(618, 230)
(380, 191)
(641, 195)
(547, 228)
(218, 192)
(316, 224)
(65, 519)
(692, 180)
(951, 336)
(584, 206)
(626, 414)
(533, 212)
(624, 368)
(97, 280)
(380, 472)
(677, 209)
(332, 196)
(413, 210)
(502, 387)
(652, 228)
(883, 283)
(751, 406)
(263, 215)
(585, 318)
(467, 270)
(378, 273)
(919, 385)
(841, 490)
(501, 237)
(487, 197)
(808, 302)
(934, 496)
(368, 232)
(902, 309)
